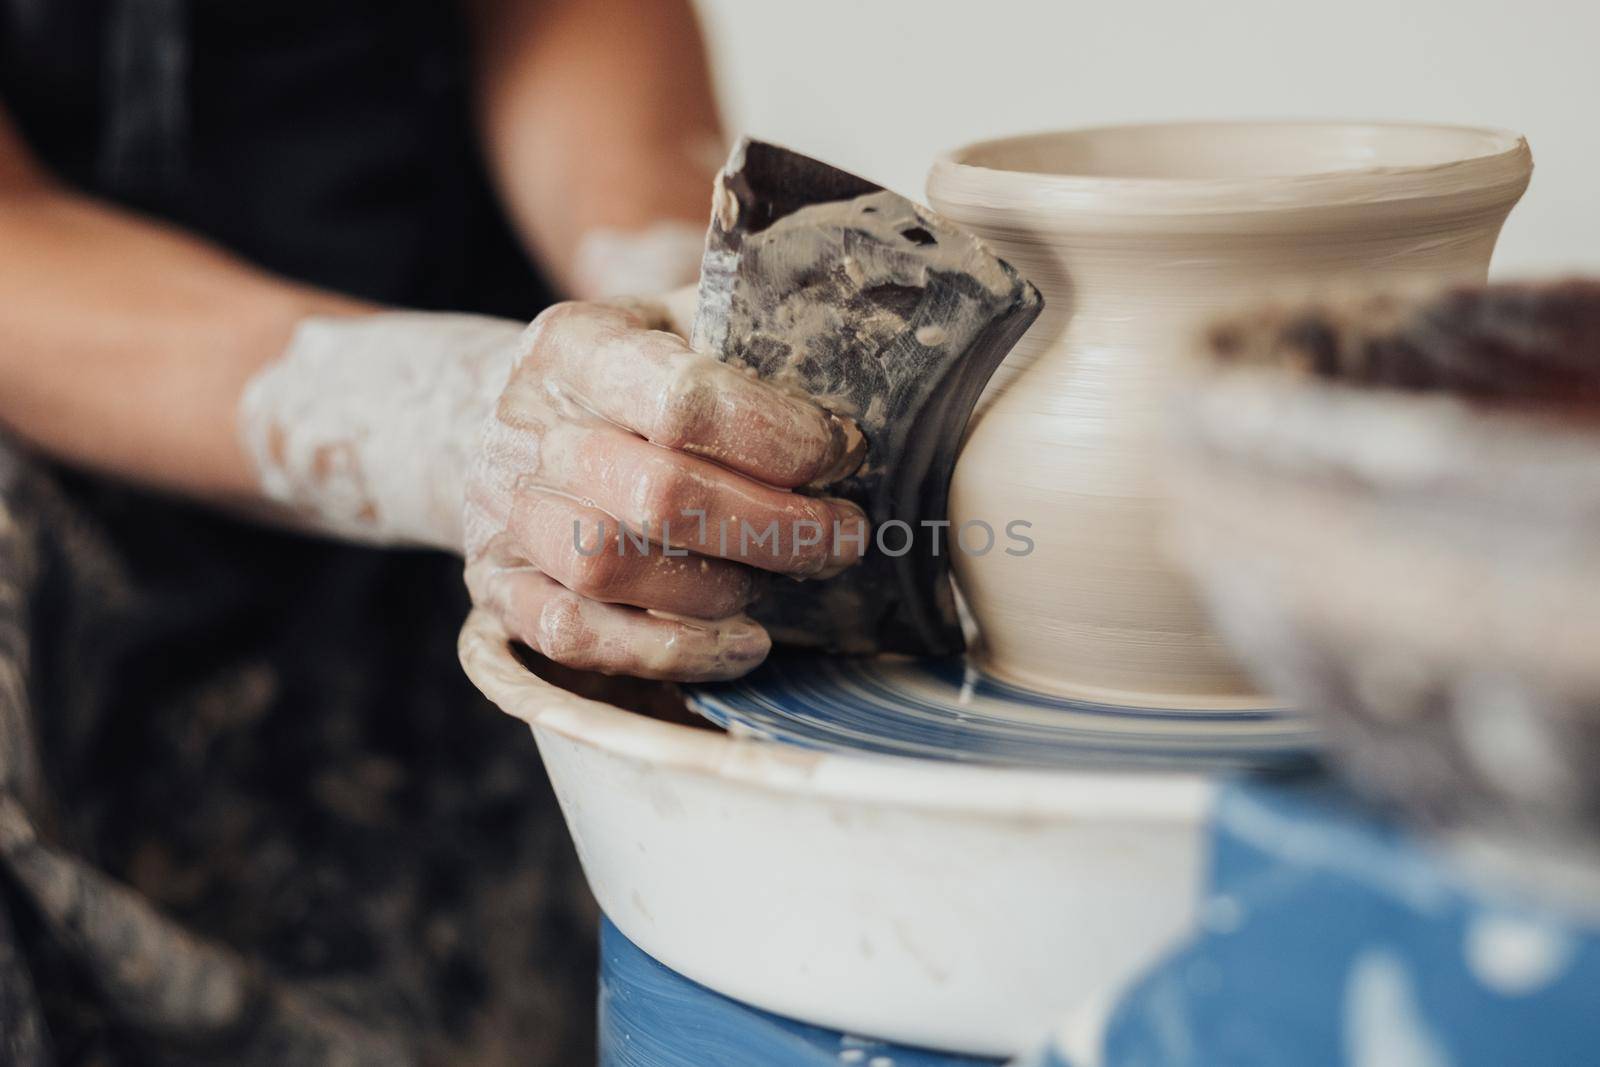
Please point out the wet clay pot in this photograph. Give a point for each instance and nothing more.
(1136, 235)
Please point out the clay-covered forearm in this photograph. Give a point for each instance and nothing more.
(596, 473)
(599, 118)
(124, 344)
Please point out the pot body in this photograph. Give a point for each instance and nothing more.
(1137, 236)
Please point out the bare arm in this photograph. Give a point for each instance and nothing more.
(598, 115)
(124, 344)
(131, 348)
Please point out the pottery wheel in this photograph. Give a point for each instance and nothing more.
(944, 709)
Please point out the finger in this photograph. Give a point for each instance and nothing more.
(672, 311)
(652, 383)
(691, 503)
(585, 550)
(588, 635)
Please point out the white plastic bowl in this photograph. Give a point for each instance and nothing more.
(950, 906)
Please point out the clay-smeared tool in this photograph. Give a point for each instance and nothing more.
(880, 311)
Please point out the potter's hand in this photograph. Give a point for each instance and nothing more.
(621, 472)
(614, 493)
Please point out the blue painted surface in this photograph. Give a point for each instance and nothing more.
(1331, 937)
(943, 709)
(651, 1016)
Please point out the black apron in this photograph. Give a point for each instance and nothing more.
(266, 737)
(328, 140)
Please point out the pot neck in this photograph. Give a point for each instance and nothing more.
(1151, 279)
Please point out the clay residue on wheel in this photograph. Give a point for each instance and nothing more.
(657, 700)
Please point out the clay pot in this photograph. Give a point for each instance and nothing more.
(1136, 234)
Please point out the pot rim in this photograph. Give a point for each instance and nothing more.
(1487, 170)
(949, 789)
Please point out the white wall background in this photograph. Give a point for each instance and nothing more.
(881, 86)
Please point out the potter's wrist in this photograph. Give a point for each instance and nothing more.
(365, 427)
(632, 261)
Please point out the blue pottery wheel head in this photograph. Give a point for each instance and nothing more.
(945, 709)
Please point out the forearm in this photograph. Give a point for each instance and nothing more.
(598, 116)
(125, 345)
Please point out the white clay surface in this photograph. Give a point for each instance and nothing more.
(366, 424)
(613, 262)
(1136, 235)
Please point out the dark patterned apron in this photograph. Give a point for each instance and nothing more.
(250, 812)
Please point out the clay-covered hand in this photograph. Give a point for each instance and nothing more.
(615, 494)
(628, 490)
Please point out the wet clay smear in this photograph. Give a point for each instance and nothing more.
(883, 313)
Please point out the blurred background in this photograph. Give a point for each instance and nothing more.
(882, 86)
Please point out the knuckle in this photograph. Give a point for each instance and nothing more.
(478, 529)
(552, 317)
(561, 633)
(492, 472)
(666, 492)
(598, 577)
(687, 409)
(548, 330)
